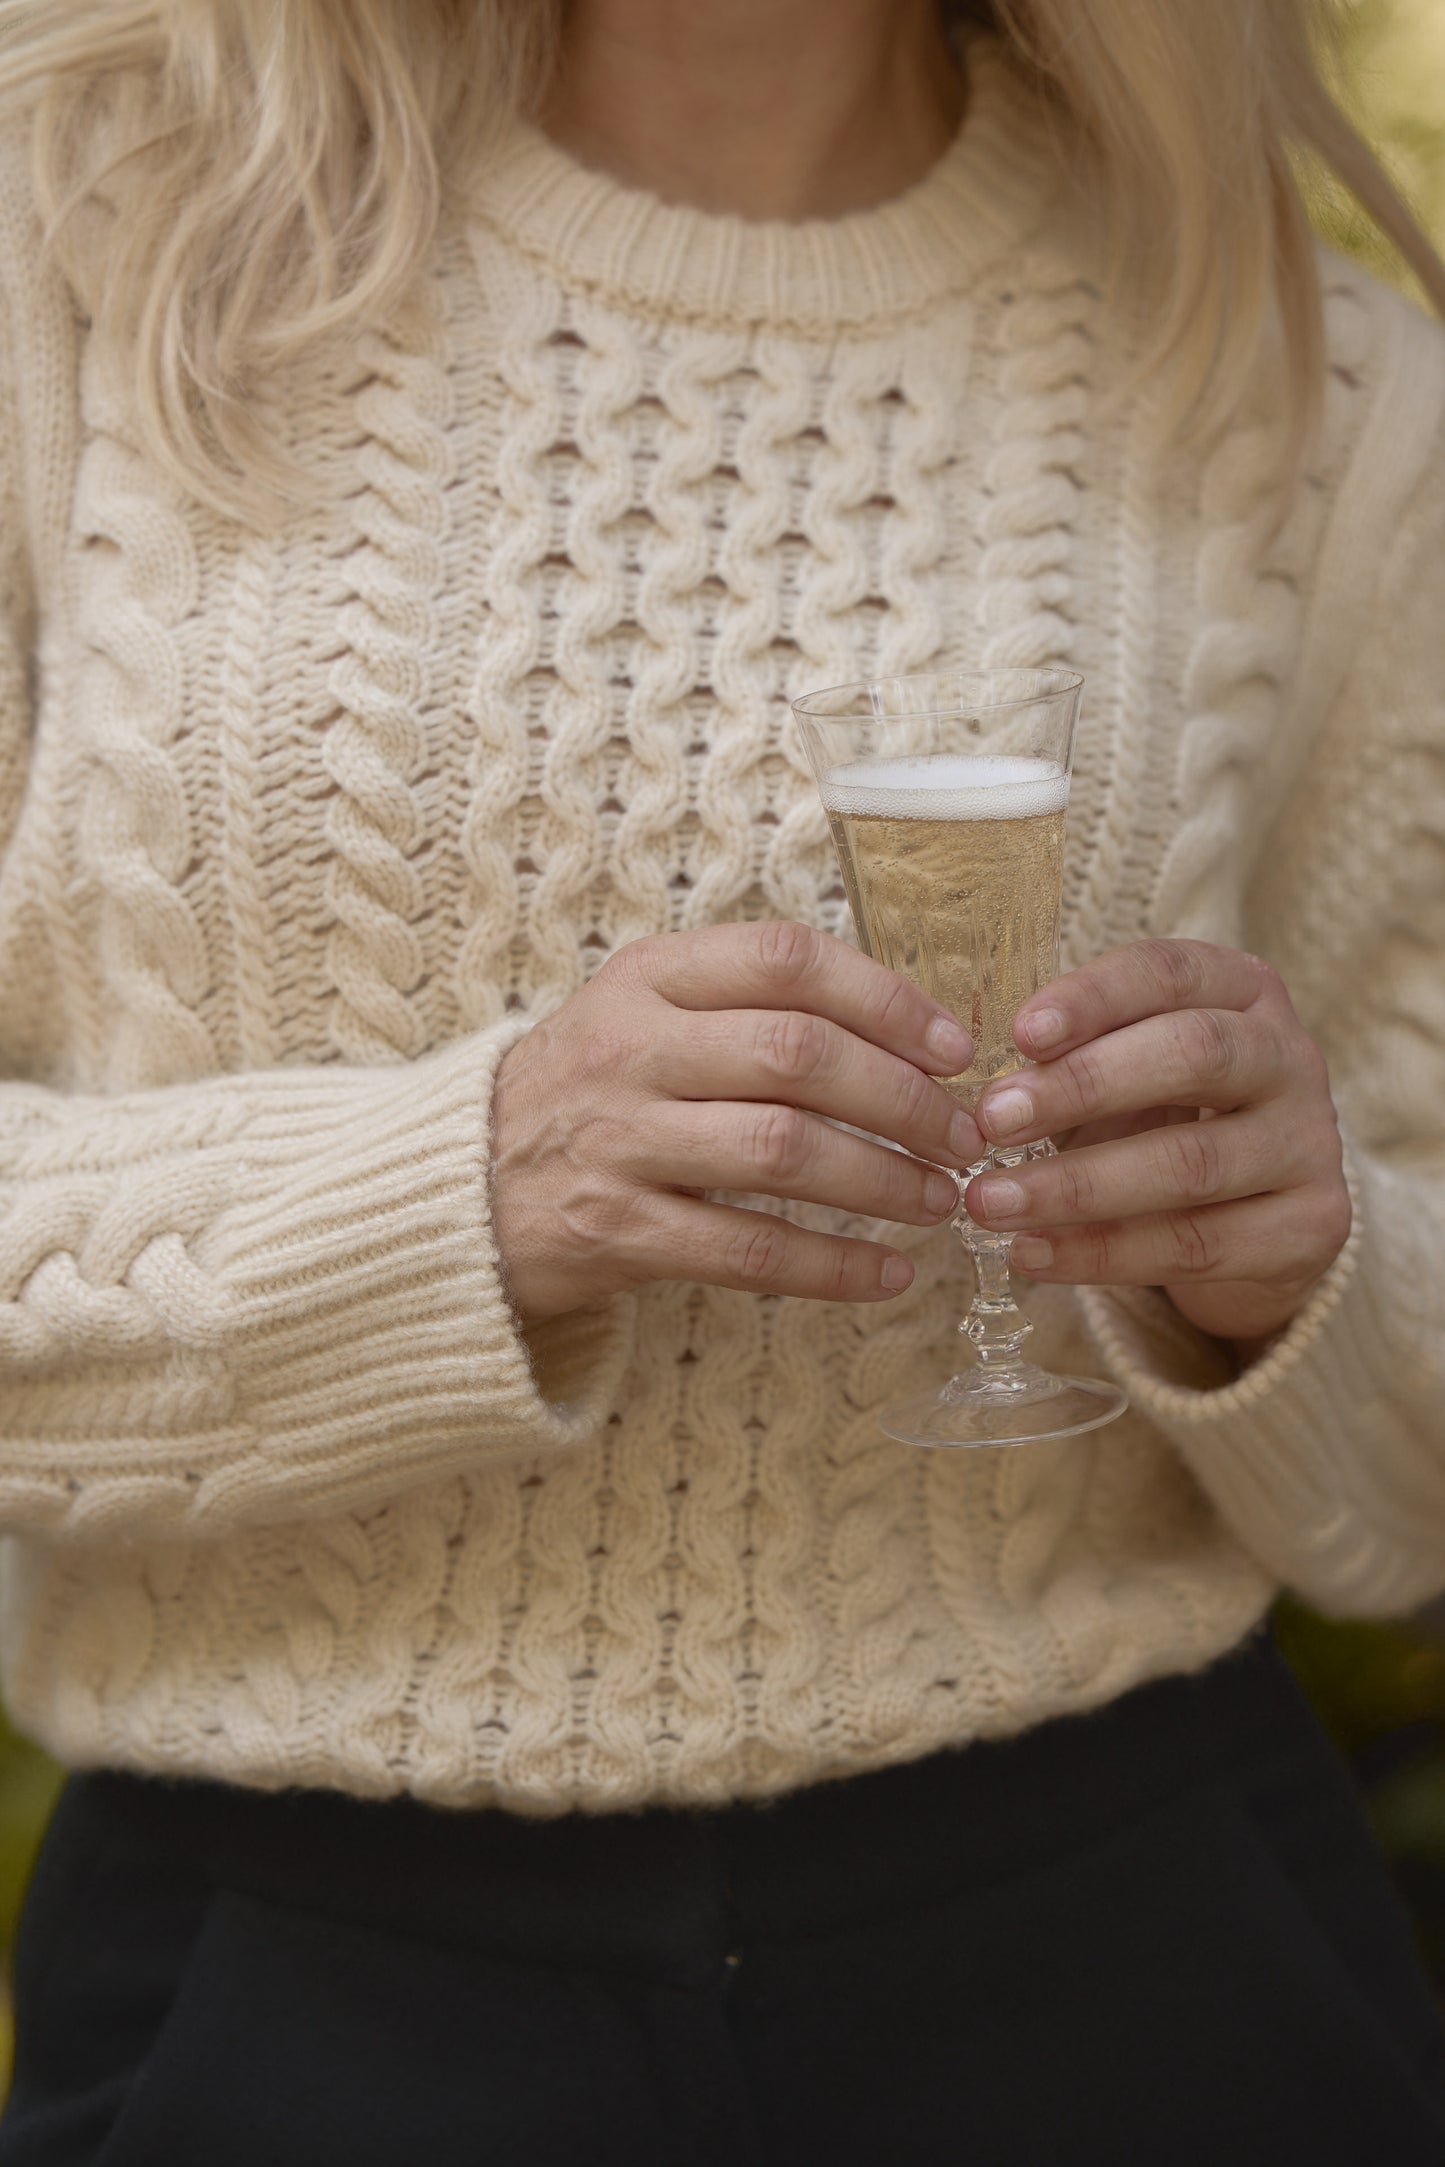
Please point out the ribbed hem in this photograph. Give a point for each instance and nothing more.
(371, 1318)
(987, 192)
(1312, 1454)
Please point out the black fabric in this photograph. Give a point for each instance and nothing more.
(1156, 1934)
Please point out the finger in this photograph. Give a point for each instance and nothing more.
(1262, 1238)
(1200, 1057)
(784, 965)
(797, 1059)
(1166, 1169)
(721, 1245)
(781, 1151)
(1147, 978)
(1106, 1132)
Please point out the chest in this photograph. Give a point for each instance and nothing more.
(518, 691)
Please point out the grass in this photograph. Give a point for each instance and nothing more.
(28, 1785)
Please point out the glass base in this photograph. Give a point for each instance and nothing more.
(1016, 1409)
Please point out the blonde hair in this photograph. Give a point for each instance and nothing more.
(280, 169)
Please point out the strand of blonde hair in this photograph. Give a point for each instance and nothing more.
(279, 171)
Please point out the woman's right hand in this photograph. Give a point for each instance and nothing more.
(719, 1060)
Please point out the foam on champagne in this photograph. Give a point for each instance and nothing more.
(946, 786)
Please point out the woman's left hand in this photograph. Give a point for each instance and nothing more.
(1200, 1147)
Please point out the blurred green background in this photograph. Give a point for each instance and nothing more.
(1380, 1689)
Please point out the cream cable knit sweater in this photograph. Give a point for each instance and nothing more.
(300, 832)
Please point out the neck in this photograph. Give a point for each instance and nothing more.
(759, 108)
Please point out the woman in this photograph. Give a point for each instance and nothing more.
(450, 1277)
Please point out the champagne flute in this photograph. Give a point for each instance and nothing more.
(947, 795)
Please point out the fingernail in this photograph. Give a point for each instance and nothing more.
(1031, 1253)
(964, 1140)
(896, 1274)
(940, 1194)
(998, 1199)
(1009, 1111)
(950, 1042)
(1045, 1028)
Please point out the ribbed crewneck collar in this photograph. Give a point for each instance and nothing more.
(982, 197)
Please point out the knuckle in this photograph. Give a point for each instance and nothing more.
(1097, 1243)
(896, 1003)
(1327, 1152)
(838, 1271)
(597, 1216)
(1331, 1218)
(921, 1107)
(782, 1142)
(1077, 1187)
(632, 964)
(611, 1045)
(1197, 1166)
(757, 1255)
(1079, 1079)
(1307, 1060)
(604, 1144)
(1196, 1244)
(1205, 1045)
(1304, 1151)
(793, 1045)
(1178, 966)
(1271, 987)
(786, 950)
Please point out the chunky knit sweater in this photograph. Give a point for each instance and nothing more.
(303, 828)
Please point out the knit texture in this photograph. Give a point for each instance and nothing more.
(302, 830)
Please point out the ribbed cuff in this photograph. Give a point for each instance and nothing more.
(1183, 1378)
(372, 1325)
(1311, 1454)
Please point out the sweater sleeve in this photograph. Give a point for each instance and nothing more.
(253, 1297)
(246, 1297)
(1327, 1455)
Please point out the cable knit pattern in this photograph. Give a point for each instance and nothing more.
(1246, 640)
(388, 625)
(137, 836)
(306, 828)
(1024, 587)
(242, 787)
(499, 768)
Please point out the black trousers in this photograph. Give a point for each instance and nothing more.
(1155, 1937)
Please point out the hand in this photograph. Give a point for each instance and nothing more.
(719, 1060)
(1201, 1148)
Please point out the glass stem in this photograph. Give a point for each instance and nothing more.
(995, 1325)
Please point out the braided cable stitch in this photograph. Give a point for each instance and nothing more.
(136, 838)
(513, 658)
(242, 788)
(374, 747)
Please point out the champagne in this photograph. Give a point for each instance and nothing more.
(953, 866)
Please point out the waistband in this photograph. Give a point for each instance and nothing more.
(663, 1891)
